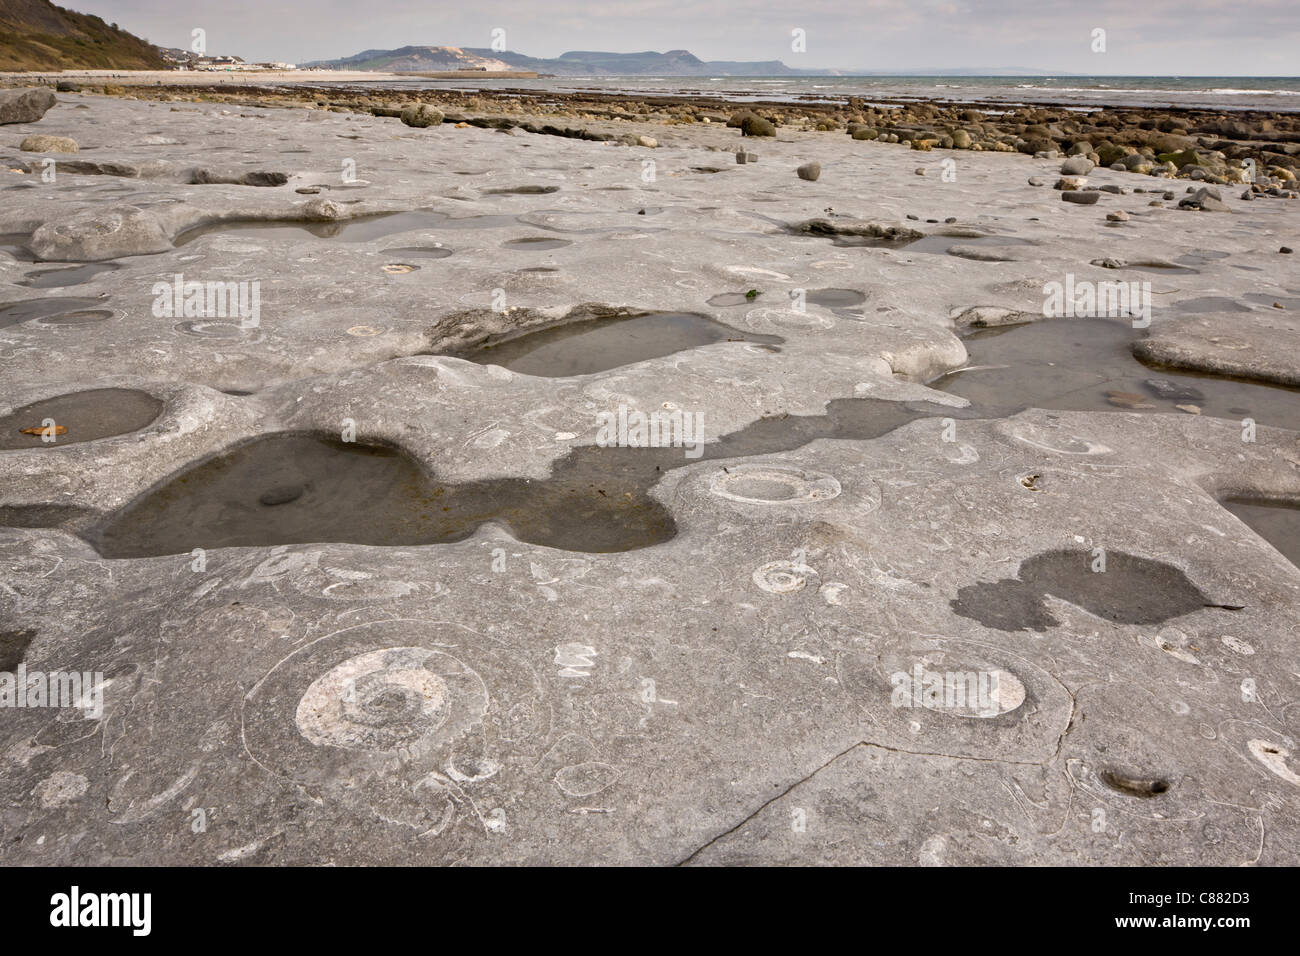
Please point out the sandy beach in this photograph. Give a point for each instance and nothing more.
(579, 479)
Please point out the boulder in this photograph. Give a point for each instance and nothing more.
(809, 171)
(753, 125)
(1186, 157)
(1110, 153)
(1076, 166)
(321, 210)
(98, 234)
(421, 115)
(1206, 199)
(39, 143)
(24, 106)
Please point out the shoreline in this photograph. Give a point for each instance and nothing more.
(1173, 141)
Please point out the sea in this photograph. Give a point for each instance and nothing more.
(1274, 93)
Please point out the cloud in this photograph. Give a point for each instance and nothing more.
(1189, 37)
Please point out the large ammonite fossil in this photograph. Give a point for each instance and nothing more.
(391, 700)
(392, 714)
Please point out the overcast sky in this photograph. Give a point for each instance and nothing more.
(1187, 37)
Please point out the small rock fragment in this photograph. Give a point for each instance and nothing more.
(1128, 400)
(1173, 391)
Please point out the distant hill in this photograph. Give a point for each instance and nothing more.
(576, 63)
(409, 59)
(37, 35)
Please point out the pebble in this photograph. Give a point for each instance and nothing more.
(1189, 409)
(1084, 198)
(1286, 250)
(951, 219)
(920, 170)
(1037, 181)
(1118, 216)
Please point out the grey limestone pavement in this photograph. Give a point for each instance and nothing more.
(359, 595)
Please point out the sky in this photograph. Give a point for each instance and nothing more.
(1142, 37)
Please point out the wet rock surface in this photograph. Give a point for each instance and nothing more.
(385, 604)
